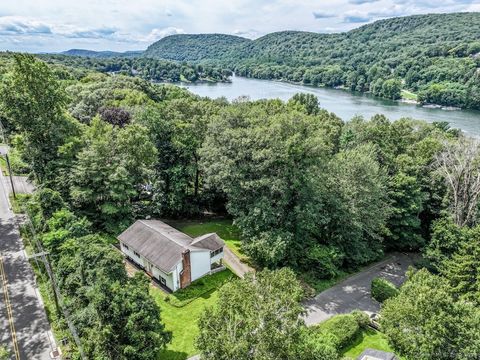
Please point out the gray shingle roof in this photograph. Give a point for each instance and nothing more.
(163, 245)
(208, 241)
(371, 354)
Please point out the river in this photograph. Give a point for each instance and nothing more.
(344, 103)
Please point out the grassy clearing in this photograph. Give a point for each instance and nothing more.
(223, 227)
(408, 95)
(198, 288)
(367, 339)
(182, 321)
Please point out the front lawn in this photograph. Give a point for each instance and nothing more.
(223, 227)
(199, 287)
(182, 320)
(367, 339)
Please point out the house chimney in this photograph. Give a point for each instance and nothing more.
(186, 274)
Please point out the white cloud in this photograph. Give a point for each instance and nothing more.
(250, 33)
(157, 34)
(53, 25)
(17, 25)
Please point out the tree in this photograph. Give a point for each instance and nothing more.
(33, 100)
(446, 239)
(267, 161)
(459, 164)
(128, 320)
(110, 172)
(4, 353)
(256, 318)
(462, 269)
(391, 89)
(115, 116)
(114, 314)
(357, 204)
(424, 322)
(306, 102)
(404, 222)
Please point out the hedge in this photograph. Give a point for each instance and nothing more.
(343, 328)
(383, 289)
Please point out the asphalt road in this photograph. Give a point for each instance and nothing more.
(25, 320)
(354, 292)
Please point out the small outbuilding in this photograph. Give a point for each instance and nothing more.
(371, 354)
(170, 256)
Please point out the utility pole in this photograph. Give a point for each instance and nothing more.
(10, 175)
(2, 129)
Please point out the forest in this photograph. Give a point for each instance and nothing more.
(145, 68)
(435, 56)
(311, 195)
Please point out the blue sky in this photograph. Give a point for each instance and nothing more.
(56, 25)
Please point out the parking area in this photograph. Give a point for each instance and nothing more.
(354, 292)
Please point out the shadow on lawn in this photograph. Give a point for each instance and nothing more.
(359, 339)
(172, 355)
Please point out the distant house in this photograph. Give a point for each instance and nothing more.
(172, 257)
(371, 354)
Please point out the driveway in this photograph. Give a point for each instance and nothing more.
(235, 264)
(354, 292)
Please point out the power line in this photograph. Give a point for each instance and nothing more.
(43, 255)
(58, 296)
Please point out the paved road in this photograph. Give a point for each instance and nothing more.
(32, 329)
(234, 263)
(354, 292)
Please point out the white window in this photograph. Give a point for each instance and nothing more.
(216, 252)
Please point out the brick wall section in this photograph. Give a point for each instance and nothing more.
(186, 275)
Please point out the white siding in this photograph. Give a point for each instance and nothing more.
(200, 263)
(170, 279)
(216, 258)
(129, 252)
(176, 276)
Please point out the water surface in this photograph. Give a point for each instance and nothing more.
(344, 103)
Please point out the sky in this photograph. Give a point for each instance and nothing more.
(121, 25)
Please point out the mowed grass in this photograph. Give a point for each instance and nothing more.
(223, 227)
(367, 339)
(183, 321)
(409, 95)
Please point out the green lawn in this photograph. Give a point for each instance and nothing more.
(408, 95)
(199, 287)
(367, 339)
(223, 227)
(182, 321)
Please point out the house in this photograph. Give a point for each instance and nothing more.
(371, 354)
(170, 256)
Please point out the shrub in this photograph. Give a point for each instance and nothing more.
(342, 328)
(383, 289)
(362, 319)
